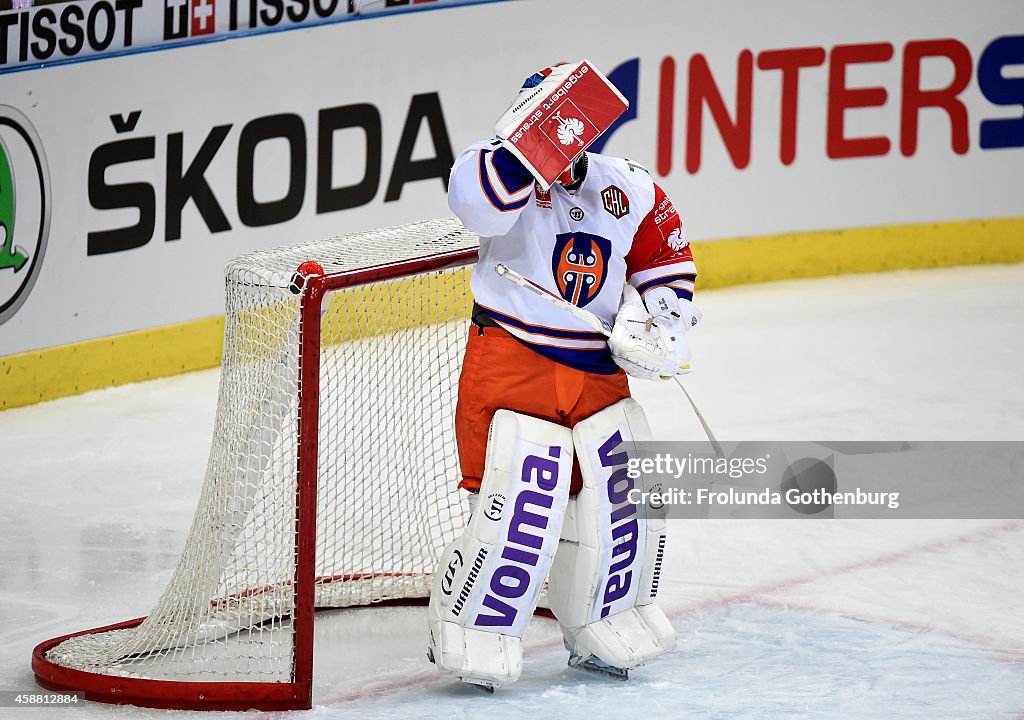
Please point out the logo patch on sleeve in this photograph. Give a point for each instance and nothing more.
(670, 225)
(615, 201)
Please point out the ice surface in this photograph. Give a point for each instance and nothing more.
(837, 619)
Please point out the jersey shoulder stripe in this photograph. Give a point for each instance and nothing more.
(511, 201)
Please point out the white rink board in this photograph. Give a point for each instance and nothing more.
(465, 63)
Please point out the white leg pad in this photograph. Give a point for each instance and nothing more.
(658, 625)
(488, 581)
(474, 656)
(604, 579)
(627, 639)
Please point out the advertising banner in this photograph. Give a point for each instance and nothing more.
(65, 31)
(126, 183)
(46, 34)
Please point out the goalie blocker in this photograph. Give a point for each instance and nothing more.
(559, 112)
(603, 580)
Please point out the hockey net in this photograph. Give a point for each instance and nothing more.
(336, 408)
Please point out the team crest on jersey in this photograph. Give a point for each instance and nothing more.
(580, 265)
(615, 202)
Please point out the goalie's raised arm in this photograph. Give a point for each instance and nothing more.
(488, 188)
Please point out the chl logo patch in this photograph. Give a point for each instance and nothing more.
(580, 266)
(615, 201)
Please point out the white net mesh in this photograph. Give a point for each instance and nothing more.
(387, 464)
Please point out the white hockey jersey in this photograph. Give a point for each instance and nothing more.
(583, 245)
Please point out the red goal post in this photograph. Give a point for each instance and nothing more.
(330, 481)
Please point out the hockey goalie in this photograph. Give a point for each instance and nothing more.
(544, 419)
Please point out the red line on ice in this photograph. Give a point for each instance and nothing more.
(754, 596)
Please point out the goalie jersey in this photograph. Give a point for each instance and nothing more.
(582, 245)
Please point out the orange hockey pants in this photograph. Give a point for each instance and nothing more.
(500, 372)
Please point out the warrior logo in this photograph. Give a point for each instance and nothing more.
(496, 502)
(449, 575)
(579, 264)
(569, 131)
(24, 209)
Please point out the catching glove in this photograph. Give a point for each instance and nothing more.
(653, 346)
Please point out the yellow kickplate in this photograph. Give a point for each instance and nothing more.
(55, 372)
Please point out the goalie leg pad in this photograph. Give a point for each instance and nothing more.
(604, 578)
(488, 581)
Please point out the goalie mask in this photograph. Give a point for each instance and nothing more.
(573, 175)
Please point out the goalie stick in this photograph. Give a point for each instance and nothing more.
(600, 326)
